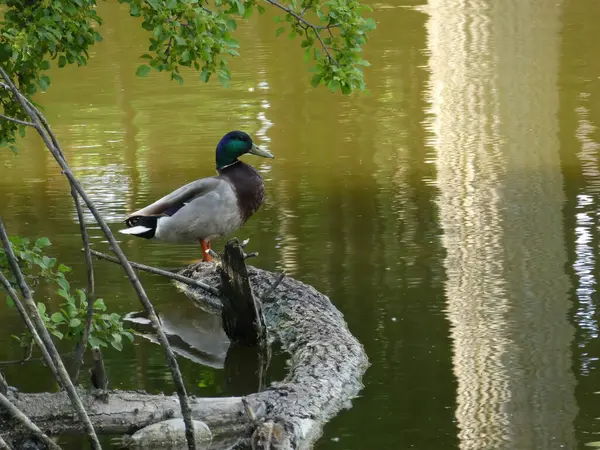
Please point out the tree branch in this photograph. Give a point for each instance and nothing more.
(307, 24)
(162, 338)
(20, 122)
(84, 237)
(4, 445)
(32, 427)
(164, 273)
(43, 332)
(30, 326)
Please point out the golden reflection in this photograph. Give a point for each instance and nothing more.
(493, 106)
(585, 225)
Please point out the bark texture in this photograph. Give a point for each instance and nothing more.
(326, 366)
(326, 362)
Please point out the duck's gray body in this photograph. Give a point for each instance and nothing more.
(202, 210)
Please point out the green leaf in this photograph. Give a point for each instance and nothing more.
(95, 342)
(44, 82)
(143, 70)
(205, 75)
(57, 333)
(41, 308)
(99, 304)
(57, 318)
(240, 7)
(63, 283)
(62, 61)
(74, 323)
(316, 79)
(64, 294)
(82, 297)
(63, 269)
(42, 242)
(128, 335)
(248, 13)
(177, 77)
(45, 65)
(370, 24)
(261, 9)
(279, 31)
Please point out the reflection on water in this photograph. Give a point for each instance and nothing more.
(493, 107)
(585, 224)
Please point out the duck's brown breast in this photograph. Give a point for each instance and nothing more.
(248, 186)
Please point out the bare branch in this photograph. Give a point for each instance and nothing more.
(82, 345)
(164, 273)
(32, 427)
(301, 20)
(36, 337)
(37, 320)
(4, 445)
(91, 288)
(20, 122)
(162, 338)
(273, 287)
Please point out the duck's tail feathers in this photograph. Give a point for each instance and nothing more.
(141, 226)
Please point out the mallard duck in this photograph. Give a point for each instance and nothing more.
(210, 207)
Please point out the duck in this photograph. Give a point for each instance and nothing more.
(209, 207)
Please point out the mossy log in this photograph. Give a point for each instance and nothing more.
(326, 366)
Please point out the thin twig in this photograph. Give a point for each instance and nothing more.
(162, 272)
(274, 286)
(43, 332)
(302, 20)
(21, 309)
(24, 420)
(91, 290)
(30, 360)
(162, 338)
(4, 445)
(20, 122)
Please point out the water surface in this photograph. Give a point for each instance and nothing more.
(451, 215)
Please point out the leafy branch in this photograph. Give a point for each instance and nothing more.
(70, 321)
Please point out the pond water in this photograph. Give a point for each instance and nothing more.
(451, 215)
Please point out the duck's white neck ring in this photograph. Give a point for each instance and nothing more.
(229, 165)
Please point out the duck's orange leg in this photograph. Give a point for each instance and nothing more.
(205, 246)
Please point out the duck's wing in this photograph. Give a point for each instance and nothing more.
(171, 203)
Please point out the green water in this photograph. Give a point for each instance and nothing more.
(452, 215)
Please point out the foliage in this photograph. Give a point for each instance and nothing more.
(183, 34)
(69, 321)
(32, 33)
(186, 33)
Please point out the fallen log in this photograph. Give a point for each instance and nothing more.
(326, 362)
(326, 365)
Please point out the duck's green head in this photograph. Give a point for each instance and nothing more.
(235, 144)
